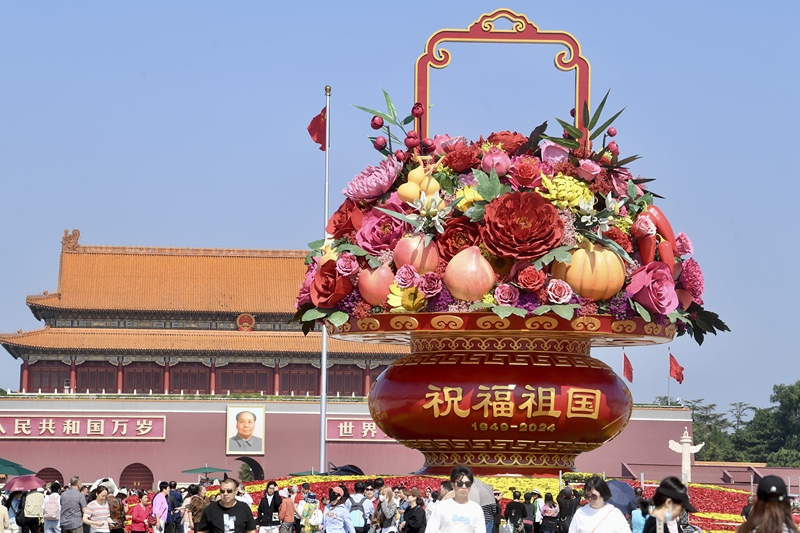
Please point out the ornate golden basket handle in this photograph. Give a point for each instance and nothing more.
(483, 31)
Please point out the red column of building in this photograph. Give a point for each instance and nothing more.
(366, 379)
(166, 375)
(276, 379)
(213, 377)
(23, 385)
(119, 377)
(73, 376)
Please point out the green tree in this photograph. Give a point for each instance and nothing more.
(739, 411)
(787, 415)
(245, 473)
(784, 457)
(710, 427)
(759, 437)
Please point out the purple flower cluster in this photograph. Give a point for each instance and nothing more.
(349, 302)
(620, 308)
(441, 302)
(528, 301)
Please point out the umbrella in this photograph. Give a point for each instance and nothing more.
(7, 462)
(24, 483)
(481, 493)
(205, 470)
(13, 469)
(621, 494)
(108, 483)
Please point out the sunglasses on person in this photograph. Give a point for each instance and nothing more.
(467, 484)
(592, 497)
(497, 494)
(227, 491)
(370, 488)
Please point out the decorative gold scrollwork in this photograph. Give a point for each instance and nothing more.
(492, 322)
(652, 329)
(669, 331)
(587, 323)
(404, 322)
(447, 322)
(541, 322)
(623, 326)
(369, 324)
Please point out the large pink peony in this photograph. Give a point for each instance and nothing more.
(653, 286)
(373, 182)
(380, 231)
(553, 153)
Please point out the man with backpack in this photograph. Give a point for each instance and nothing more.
(32, 507)
(175, 503)
(359, 508)
(52, 509)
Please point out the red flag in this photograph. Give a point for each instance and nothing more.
(675, 370)
(627, 368)
(316, 128)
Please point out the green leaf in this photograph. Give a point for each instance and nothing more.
(480, 305)
(627, 160)
(597, 112)
(632, 193)
(408, 120)
(338, 318)
(353, 249)
(374, 262)
(542, 309)
(316, 245)
(504, 311)
(644, 313)
(572, 130)
(560, 254)
(566, 143)
(301, 311)
(566, 311)
(533, 139)
(400, 216)
(475, 212)
(606, 124)
(586, 116)
(384, 116)
(390, 108)
(307, 327)
(489, 187)
(313, 314)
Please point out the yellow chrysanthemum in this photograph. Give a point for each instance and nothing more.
(395, 298)
(623, 223)
(565, 191)
(469, 195)
(446, 170)
(413, 300)
(486, 146)
(489, 299)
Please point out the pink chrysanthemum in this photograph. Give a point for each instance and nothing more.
(373, 182)
(692, 279)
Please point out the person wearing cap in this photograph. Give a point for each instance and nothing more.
(670, 500)
(228, 515)
(415, 520)
(538, 503)
(458, 514)
(286, 511)
(336, 518)
(772, 510)
(598, 516)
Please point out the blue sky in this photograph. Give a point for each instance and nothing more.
(183, 123)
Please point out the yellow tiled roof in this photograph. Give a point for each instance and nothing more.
(176, 279)
(141, 340)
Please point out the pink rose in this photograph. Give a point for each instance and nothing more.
(506, 294)
(453, 144)
(559, 291)
(407, 276)
(643, 226)
(653, 287)
(530, 278)
(588, 169)
(438, 140)
(304, 296)
(430, 284)
(347, 264)
(553, 153)
(619, 181)
(683, 244)
(496, 159)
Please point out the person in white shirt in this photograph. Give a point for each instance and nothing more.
(459, 514)
(598, 516)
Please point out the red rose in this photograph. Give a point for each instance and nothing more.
(522, 225)
(346, 219)
(329, 286)
(459, 234)
(531, 279)
(526, 171)
(462, 159)
(511, 141)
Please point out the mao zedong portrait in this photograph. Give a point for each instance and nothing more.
(244, 441)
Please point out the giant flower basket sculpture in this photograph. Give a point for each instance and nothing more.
(501, 261)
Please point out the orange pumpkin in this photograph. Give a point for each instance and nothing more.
(595, 271)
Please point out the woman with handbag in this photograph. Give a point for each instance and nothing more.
(549, 514)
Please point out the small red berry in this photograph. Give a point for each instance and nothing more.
(412, 135)
(377, 122)
(411, 143)
(427, 142)
(417, 111)
(565, 134)
(380, 143)
(613, 148)
(612, 131)
(400, 155)
(572, 112)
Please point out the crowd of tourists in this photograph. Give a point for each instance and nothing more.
(372, 507)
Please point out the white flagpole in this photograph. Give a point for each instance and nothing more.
(323, 367)
(669, 371)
